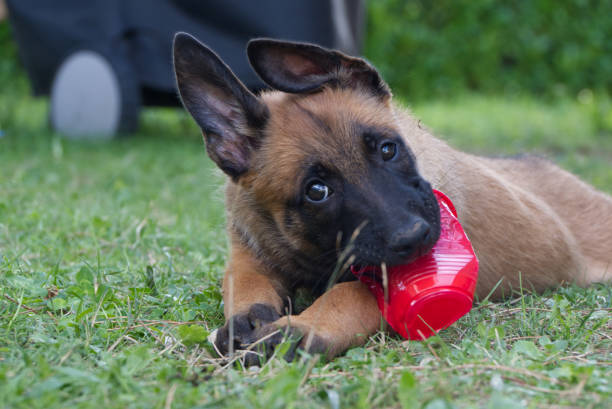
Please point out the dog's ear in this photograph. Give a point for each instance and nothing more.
(301, 67)
(228, 113)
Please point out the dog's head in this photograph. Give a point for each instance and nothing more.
(321, 155)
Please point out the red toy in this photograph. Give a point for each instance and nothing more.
(435, 290)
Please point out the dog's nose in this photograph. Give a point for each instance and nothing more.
(409, 239)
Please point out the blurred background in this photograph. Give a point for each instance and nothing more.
(426, 50)
(545, 49)
(488, 75)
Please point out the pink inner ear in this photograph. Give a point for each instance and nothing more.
(221, 102)
(300, 66)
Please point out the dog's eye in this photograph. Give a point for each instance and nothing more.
(317, 191)
(388, 150)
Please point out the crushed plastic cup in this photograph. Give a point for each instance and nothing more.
(431, 293)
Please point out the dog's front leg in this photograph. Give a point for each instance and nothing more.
(251, 299)
(343, 317)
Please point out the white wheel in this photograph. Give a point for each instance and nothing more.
(89, 100)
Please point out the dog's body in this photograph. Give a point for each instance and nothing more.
(326, 168)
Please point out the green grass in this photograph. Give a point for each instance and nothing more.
(111, 256)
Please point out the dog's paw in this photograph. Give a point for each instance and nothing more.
(244, 327)
(299, 337)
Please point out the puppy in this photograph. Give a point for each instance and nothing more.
(326, 171)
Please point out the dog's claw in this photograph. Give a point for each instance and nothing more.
(260, 331)
(244, 327)
(271, 335)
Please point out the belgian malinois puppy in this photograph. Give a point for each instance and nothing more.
(325, 170)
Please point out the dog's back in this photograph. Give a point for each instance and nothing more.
(532, 223)
(586, 212)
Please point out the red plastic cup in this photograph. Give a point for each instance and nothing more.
(432, 292)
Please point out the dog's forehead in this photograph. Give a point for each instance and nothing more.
(325, 129)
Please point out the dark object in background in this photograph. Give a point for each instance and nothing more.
(121, 49)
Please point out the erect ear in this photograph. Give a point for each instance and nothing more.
(230, 116)
(301, 67)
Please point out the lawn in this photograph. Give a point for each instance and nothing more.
(111, 257)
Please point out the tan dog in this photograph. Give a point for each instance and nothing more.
(326, 171)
